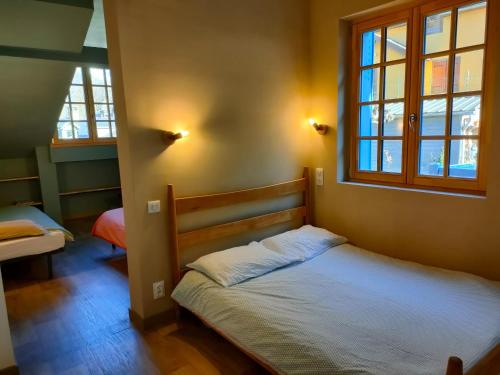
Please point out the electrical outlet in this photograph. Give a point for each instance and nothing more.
(158, 289)
(319, 177)
(153, 207)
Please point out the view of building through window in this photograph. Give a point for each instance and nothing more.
(449, 111)
(88, 113)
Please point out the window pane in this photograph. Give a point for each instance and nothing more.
(76, 94)
(368, 120)
(367, 155)
(435, 77)
(64, 130)
(396, 42)
(99, 94)
(466, 115)
(103, 130)
(463, 158)
(395, 81)
(431, 157)
(471, 24)
(437, 32)
(111, 111)
(392, 156)
(369, 84)
(433, 117)
(110, 95)
(468, 73)
(65, 115)
(393, 119)
(370, 52)
(108, 77)
(77, 78)
(97, 76)
(113, 129)
(101, 112)
(78, 112)
(81, 129)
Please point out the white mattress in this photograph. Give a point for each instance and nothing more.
(349, 311)
(21, 247)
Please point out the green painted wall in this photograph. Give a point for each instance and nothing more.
(61, 170)
(11, 192)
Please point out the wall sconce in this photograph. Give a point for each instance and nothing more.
(320, 128)
(170, 137)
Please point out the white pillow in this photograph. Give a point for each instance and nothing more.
(303, 243)
(232, 266)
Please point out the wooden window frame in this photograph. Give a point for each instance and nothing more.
(91, 118)
(414, 15)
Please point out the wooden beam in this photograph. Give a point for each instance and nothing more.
(194, 237)
(203, 202)
(89, 55)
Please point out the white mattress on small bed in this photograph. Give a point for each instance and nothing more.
(26, 246)
(350, 311)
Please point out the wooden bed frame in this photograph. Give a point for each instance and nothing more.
(179, 241)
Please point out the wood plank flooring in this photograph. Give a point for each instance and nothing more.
(78, 323)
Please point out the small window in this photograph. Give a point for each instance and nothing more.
(88, 115)
(417, 109)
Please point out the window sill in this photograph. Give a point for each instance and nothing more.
(473, 195)
(82, 144)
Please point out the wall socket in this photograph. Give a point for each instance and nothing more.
(319, 177)
(158, 289)
(153, 207)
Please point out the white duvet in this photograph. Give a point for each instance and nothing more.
(349, 311)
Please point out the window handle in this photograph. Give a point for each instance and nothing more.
(411, 121)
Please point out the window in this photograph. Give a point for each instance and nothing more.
(417, 102)
(88, 114)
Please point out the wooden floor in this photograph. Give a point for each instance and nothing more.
(78, 323)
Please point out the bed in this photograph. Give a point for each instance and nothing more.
(21, 248)
(345, 311)
(110, 226)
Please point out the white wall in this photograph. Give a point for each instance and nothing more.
(6, 353)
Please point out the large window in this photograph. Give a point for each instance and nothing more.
(88, 114)
(417, 103)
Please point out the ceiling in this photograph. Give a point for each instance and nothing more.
(33, 90)
(96, 36)
(48, 25)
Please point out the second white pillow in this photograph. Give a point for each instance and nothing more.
(303, 243)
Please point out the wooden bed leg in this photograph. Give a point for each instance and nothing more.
(455, 366)
(50, 270)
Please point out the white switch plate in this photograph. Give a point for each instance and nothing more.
(319, 177)
(159, 289)
(153, 207)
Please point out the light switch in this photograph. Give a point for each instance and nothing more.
(153, 207)
(319, 176)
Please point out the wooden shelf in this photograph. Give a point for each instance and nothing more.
(29, 203)
(86, 191)
(15, 179)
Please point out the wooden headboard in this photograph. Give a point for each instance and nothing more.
(178, 206)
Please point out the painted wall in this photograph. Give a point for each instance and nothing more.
(6, 352)
(444, 230)
(236, 78)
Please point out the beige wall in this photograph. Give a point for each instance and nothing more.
(235, 74)
(6, 353)
(448, 231)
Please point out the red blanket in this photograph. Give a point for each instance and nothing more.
(110, 226)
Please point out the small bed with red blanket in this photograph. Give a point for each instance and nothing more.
(110, 226)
